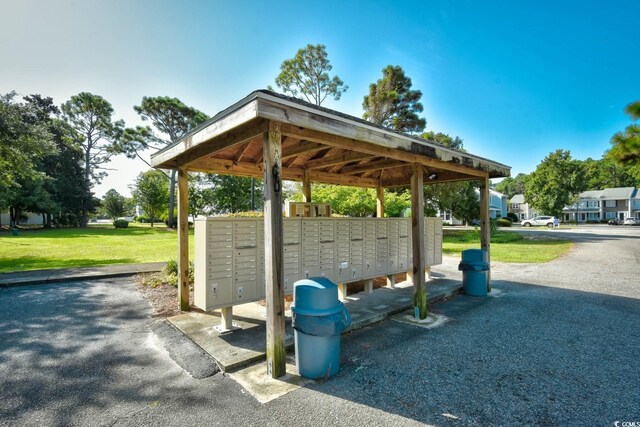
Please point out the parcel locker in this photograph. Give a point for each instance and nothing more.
(369, 265)
(343, 251)
(261, 290)
(310, 248)
(245, 275)
(213, 264)
(382, 254)
(327, 260)
(437, 250)
(393, 242)
(292, 262)
(403, 254)
(356, 251)
(429, 239)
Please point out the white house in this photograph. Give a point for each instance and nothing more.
(519, 206)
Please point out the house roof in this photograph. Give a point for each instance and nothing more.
(517, 198)
(618, 193)
(591, 195)
(326, 145)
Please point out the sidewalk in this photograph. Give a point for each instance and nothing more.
(65, 274)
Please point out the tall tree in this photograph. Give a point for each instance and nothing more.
(443, 139)
(92, 117)
(307, 75)
(173, 120)
(113, 204)
(392, 103)
(459, 198)
(151, 192)
(512, 186)
(24, 138)
(625, 145)
(607, 173)
(555, 182)
(230, 194)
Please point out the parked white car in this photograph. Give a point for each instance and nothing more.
(539, 220)
(631, 221)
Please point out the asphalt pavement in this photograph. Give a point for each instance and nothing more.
(556, 344)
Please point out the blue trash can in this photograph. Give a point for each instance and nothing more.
(475, 272)
(319, 318)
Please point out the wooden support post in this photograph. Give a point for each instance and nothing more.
(342, 291)
(417, 235)
(391, 281)
(485, 224)
(306, 187)
(183, 240)
(379, 202)
(273, 250)
(368, 286)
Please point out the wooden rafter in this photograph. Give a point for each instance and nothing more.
(345, 157)
(301, 148)
(363, 147)
(381, 164)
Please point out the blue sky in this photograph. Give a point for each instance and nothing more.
(515, 80)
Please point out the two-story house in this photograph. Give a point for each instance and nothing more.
(601, 205)
(519, 206)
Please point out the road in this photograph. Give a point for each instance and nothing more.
(557, 344)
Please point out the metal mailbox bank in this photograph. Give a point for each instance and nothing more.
(229, 253)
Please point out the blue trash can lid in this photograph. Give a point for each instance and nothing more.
(315, 296)
(474, 255)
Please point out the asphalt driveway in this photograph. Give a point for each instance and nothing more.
(557, 344)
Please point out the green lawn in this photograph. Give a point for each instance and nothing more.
(94, 245)
(103, 244)
(507, 246)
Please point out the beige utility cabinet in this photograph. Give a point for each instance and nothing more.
(230, 259)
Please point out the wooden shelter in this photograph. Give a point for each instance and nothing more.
(275, 137)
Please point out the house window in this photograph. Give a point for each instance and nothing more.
(515, 206)
(610, 203)
(610, 215)
(593, 204)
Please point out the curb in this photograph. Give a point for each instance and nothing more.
(65, 275)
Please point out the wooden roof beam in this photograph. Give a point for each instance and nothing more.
(379, 165)
(376, 150)
(346, 157)
(226, 140)
(301, 148)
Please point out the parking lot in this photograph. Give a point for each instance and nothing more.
(556, 344)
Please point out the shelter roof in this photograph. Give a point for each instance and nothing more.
(329, 146)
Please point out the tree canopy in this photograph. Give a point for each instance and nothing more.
(173, 119)
(113, 204)
(392, 103)
(625, 145)
(557, 180)
(307, 75)
(24, 138)
(151, 192)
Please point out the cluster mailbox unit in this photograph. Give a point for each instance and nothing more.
(229, 253)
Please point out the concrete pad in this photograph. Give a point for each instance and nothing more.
(235, 349)
(255, 380)
(246, 345)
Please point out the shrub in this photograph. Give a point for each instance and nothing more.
(170, 273)
(513, 217)
(503, 222)
(120, 223)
